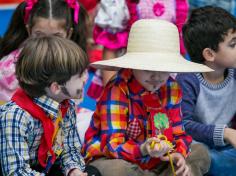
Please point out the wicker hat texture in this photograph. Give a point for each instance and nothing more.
(153, 45)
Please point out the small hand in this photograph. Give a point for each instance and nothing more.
(146, 146)
(159, 149)
(179, 160)
(230, 136)
(77, 172)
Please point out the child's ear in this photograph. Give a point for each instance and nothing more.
(70, 32)
(55, 88)
(208, 54)
(28, 29)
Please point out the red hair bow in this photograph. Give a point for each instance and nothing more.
(29, 6)
(74, 4)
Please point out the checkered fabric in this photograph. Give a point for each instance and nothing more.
(20, 137)
(114, 131)
(134, 129)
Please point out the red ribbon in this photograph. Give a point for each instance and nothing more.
(29, 6)
(74, 5)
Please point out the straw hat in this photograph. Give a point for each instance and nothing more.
(152, 45)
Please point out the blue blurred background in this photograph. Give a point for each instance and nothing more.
(5, 15)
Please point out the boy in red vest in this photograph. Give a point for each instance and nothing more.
(38, 126)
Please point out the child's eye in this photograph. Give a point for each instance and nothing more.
(39, 34)
(58, 35)
(232, 45)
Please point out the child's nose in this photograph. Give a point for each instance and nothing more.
(155, 76)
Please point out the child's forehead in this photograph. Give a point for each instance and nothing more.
(50, 22)
(230, 35)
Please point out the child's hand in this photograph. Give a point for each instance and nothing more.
(179, 160)
(77, 172)
(160, 148)
(230, 136)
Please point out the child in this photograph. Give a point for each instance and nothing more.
(209, 99)
(64, 18)
(38, 126)
(115, 18)
(141, 102)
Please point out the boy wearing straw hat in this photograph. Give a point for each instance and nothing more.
(136, 128)
(209, 99)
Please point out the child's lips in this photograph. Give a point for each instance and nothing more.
(154, 82)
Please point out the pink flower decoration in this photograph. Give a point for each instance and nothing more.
(158, 9)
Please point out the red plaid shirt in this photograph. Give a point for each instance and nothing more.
(121, 122)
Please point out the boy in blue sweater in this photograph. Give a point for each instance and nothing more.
(209, 99)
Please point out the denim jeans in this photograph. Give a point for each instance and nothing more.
(223, 161)
(229, 5)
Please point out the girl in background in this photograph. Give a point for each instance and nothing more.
(64, 18)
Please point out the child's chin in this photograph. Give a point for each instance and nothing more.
(152, 89)
(77, 100)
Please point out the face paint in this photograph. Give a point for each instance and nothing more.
(65, 91)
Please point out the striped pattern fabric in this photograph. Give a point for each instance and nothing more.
(114, 131)
(20, 136)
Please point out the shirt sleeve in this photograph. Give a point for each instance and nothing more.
(14, 150)
(71, 156)
(200, 132)
(111, 118)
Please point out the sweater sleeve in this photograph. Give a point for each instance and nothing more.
(200, 132)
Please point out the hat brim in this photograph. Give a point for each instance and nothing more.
(152, 62)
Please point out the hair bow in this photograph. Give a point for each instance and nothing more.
(29, 6)
(74, 4)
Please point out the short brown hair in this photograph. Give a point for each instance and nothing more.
(48, 59)
(206, 27)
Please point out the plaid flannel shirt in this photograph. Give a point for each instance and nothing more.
(120, 125)
(20, 136)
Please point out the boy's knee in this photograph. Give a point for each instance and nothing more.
(111, 167)
(199, 159)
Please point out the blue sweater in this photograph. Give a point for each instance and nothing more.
(207, 108)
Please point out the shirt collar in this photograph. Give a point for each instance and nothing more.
(49, 105)
(135, 88)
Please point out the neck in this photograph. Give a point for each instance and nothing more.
(55, 97)
(216, 76)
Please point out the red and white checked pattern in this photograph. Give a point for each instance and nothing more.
(134, 129)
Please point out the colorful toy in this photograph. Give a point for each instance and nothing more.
(160, 123)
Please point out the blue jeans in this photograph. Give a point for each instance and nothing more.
(223, 161)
